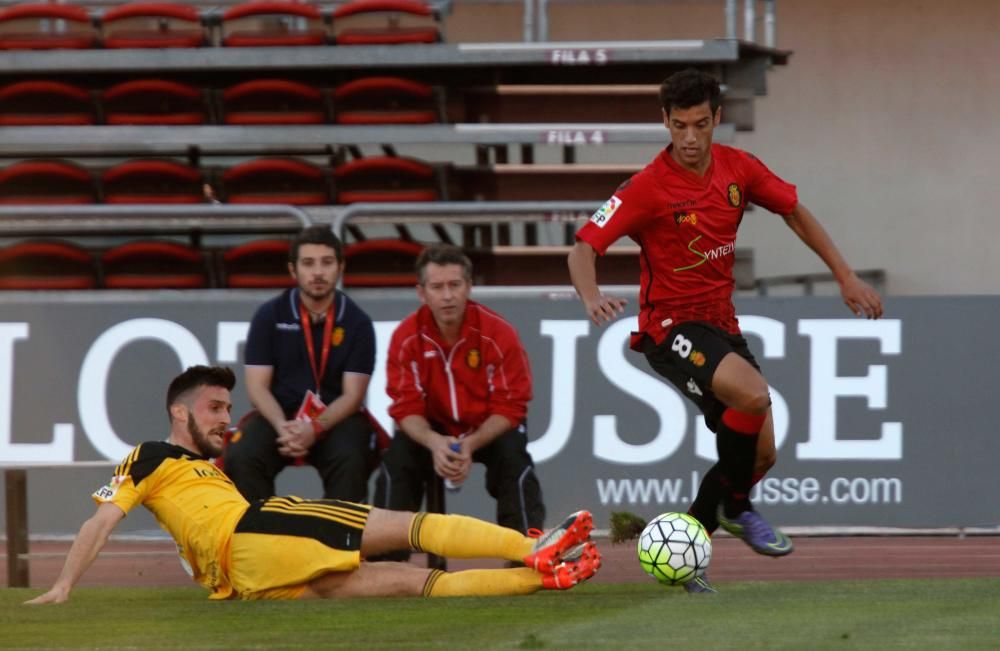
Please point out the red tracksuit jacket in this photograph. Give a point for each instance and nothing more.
(486, 372)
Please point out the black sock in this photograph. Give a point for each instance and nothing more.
(736, 440)
(705, 507)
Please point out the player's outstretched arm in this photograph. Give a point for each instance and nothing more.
(601, 308)
(859, 296)
(88, 543)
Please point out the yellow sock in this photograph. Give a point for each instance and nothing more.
(482, 583)
(459, 536)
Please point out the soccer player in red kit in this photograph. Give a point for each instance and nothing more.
(683, 210)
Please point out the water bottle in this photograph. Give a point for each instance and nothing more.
(449, 485)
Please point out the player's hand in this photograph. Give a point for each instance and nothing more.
(604, 308)
(295, 438)
(53, 596)
(861, 298)
(447, 462)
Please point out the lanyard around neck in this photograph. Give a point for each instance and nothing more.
(327, 336)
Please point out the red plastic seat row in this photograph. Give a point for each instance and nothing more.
(371, 263)
(258, 181)
(153, 264)
(372, 100)
(53, 182)
(134, 265)
(259, 23)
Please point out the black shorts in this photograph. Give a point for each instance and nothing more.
(688, 358)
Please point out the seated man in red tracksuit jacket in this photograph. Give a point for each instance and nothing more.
(460, 384)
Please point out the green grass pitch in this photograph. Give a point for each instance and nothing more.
(883, 615)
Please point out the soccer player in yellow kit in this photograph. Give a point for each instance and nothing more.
(291, 548)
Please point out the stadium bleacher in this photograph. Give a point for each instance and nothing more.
(271, 102)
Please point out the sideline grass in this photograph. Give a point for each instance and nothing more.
(952, 614)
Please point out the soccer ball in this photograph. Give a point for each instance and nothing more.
(674, 548)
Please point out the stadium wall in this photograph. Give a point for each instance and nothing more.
(883, 117)
(878, 423)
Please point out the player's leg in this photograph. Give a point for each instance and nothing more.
(404, 580)
(741, 387)
(743, 391)
(252, 460)
(688, 362)
(767, 453)
(459, 536)
(511, 481)
(342, 459)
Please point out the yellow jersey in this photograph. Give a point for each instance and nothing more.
(191, 499)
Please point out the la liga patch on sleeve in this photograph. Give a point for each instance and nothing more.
(606, 212)
(107, 492)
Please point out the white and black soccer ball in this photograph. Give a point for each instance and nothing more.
(674, 548)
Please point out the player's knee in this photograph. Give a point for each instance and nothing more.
(755, 401)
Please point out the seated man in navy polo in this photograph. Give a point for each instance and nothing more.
(309, 357)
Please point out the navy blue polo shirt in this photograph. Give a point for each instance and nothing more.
(275, 339)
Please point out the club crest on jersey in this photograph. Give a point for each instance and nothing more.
(682, 217)
(338, 336)
(606, 212)
(473, 358)
(735, 195)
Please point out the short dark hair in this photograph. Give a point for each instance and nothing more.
(690, 87)
(199, 376)
(442, 254)
(316, 234)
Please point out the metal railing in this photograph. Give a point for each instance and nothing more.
(119, 219)
(809, 282)
(462, 212)
(536, 18)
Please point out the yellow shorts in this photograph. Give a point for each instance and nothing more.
(283, 543)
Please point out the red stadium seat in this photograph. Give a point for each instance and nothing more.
(154, 265)
(276, 181)
(45, 103)
(263, 23)
(262, 263)
(46, 27)
(46, 265)
(384, 22)
(273, 101)
(152, 25)
(153, 101)
(43, 182)
(152, 182)
(381, 263)
(384, 178)
(384, 100)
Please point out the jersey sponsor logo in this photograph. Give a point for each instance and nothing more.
(685, 217)
(735, 195)
(107, 492)
(473, 358)
(687, 203)
(287, 326)
(714, 254)
(606, 212)
(338, 336)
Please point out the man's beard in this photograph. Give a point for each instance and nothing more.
(315, 295)
(206, 447)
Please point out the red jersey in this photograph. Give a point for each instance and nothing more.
(458, 387)
(685, 226)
